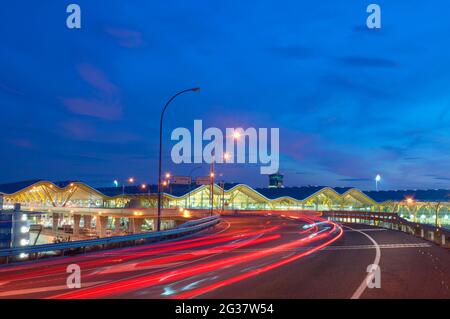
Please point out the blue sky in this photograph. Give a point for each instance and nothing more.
(350, 102)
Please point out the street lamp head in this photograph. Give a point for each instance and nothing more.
(378, 178)
(116, 182)
(131, 180)
(168, 175)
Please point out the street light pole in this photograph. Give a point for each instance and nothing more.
(223, 195)
(437, 214)
(190, 185)
(160, 150)
(211, 174)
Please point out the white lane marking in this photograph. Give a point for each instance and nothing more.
(369, 230)
(357, 294)
(332, 248)
(382, 246)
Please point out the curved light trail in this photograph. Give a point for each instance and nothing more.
(184, 268)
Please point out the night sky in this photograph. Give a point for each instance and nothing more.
(350, 102)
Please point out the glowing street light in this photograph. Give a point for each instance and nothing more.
(168, 175)
(130, 180)
(377, 180)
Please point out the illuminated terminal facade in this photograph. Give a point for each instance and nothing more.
(426, 206)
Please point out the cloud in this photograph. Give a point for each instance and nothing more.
(22, 143)
(94, 108)
(302, 173)
(96, 78)
(365, 30)
(292, 52)
(311, 148)
(106, 105)
(125, 37)
(354, 179)
(440, 178)
(86, 131)
(78, 130)
(358, 61)
(347, 84)
(9, 89)
(412, 158)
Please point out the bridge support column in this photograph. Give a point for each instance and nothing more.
(76, 224)
(100, 225)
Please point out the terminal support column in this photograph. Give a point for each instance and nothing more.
(76, 224)
(100, 225)
(87, 221)
(117, 229)
(55, 217)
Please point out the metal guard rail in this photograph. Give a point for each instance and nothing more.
(438, 235)
(197, 221)
(201, 224)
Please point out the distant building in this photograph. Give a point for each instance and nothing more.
(276, 180)
(14, 228)
(6, 230)
(43, 197)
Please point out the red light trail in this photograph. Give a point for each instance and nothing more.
(330, 232)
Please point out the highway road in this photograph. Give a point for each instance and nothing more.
(248, 257)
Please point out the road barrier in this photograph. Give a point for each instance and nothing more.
(197, 221)
(182, 230)
(437, 235)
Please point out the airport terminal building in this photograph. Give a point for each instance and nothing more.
(423, 206)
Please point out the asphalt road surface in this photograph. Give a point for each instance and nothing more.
(248, 257)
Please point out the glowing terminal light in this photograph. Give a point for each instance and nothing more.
(24, 242)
